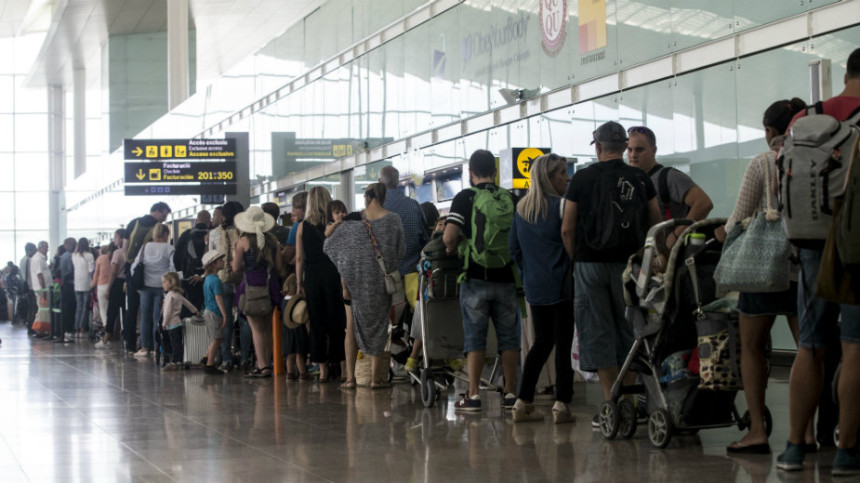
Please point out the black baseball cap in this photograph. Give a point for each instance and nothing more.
(609, 132)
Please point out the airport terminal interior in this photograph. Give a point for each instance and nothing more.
(109, 106)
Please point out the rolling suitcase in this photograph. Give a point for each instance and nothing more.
(195, 339)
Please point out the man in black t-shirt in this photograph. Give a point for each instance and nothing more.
(485, 291)
(605, 336)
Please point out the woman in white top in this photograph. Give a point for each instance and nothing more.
(157, 259)
(82, 261)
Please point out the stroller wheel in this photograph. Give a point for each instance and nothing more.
(660, 428)
(608, 417)
(626, 418)
(428, 389)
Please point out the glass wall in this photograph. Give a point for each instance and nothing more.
(24, 186)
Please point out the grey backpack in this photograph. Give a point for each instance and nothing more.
(813, 164)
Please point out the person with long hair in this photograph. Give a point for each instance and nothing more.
(82, 261)
(543, 264)
(351, 248)
(758, 311)
(318, 280)
(258, 256)
(157, 259)
(102, 280)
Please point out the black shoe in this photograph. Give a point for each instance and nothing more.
(212, 370)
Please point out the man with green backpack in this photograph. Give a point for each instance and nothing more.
(478, 226)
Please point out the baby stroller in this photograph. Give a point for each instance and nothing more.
(441, 323)
(665, 311)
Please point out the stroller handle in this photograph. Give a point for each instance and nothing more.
(651, 250)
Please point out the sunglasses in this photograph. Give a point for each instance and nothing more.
(644, 130)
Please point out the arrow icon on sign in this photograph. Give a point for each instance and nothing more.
(140, 174)
(137, 151)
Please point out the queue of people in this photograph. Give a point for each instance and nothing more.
(561, 248)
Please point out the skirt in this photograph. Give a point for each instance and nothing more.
(775, 303)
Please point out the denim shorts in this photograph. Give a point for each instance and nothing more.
(481, 300)
(773, 303)
(818, 318)
(605, 335)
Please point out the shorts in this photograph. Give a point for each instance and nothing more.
(605, 335)
(213, 325)
(776, 303)
(479, 301)
(817, 317)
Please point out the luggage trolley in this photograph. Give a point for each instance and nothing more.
(442, 326)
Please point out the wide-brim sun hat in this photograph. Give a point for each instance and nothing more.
(296, 312)
(211, 257)
(254, 221)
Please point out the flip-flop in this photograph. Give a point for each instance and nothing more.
(348, 384)
(738, 448)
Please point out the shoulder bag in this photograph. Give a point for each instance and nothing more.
(138, 277)
(393, 280)
(756, 256)
(255, 300)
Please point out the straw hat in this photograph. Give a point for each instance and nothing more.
(296, 312)
(210, 257)
(255, 221)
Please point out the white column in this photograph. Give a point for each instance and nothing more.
(80, 121)
(56, 155)
(177, 52)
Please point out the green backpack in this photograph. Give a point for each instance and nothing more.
(492, 215)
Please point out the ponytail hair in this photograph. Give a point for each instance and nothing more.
(779, 115)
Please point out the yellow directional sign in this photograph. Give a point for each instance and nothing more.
(155, 174)
(202, 149)
(523, 159)
(140, 174)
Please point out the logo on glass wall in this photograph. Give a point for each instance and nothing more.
(553, 20)
(592, 29)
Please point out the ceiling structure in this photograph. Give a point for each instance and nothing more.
(227, 31)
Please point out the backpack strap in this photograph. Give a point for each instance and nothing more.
(854, 117)
(663, 185)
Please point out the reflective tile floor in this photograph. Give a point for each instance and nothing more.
(69, 413)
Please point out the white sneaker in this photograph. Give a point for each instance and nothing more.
(102, 344)
(561, 413)
(141, 354)
(524, 412)
(69, 336)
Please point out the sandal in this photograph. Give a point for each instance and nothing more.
(292, 378)
(350, 384)
(305, 377)
(380, 385)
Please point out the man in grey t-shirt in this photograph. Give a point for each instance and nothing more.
(678, 195)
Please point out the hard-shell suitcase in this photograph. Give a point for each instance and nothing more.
(195, 339)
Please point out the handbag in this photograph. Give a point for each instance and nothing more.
(756, 258)
(226, 274)
(138, 276)
(719, 351)
(256, 301)
(363, 372)
(393, 281)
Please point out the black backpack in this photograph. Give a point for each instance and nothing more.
(671, 209)
(192, 262)
(617, 219)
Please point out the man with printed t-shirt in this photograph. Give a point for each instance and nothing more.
(599, 239)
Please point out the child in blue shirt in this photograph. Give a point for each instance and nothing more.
(215, 313)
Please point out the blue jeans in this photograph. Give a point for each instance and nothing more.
(82, 301)
(481, 300)
(818, 327)
(150, 313)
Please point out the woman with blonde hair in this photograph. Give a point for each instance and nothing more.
(537, 225)
(258, 255)
(318, 279)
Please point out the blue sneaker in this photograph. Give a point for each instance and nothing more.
(792, 458)
(468, 404)
(846, 462)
